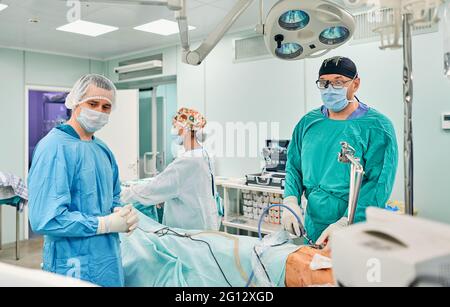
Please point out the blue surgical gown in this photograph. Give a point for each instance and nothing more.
(71, 183)
(313, 169)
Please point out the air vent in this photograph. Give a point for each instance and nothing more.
(140, 68)
(250, 48)
(366, 22)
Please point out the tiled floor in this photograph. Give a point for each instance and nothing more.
(30, 254)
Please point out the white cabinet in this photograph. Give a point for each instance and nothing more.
(234, 203)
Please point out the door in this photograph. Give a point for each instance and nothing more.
(45, 110)
(146, 134)
(122, 134)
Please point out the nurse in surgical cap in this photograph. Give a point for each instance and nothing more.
(186, 187)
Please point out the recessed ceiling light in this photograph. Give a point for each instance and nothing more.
(87, 28)
(161, 27)
(3, 6)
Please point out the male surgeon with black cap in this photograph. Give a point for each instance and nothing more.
(312, 168)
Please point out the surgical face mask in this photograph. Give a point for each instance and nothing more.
(91, 120)
(178, 139)
(335, 99)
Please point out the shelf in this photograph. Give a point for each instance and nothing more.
(241, 186)
(251, 225)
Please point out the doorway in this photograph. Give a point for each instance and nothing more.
(45, 110)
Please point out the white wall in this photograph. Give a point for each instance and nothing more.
(432, 144)
(264, 91)
(191, 89)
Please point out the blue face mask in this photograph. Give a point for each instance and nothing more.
(178, 139)
(91, 120)
(335, 99)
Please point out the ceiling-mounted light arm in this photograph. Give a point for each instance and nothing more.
(183, 26)
(424, 12)
(260, 26)
(261, 12)
(173, 5)
(197, 56)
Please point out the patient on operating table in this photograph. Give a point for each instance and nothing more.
(158, 256)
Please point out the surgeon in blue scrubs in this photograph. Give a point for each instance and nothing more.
(74, 191)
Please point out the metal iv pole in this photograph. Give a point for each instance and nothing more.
(408, 98)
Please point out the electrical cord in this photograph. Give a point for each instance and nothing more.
(215, 259)
(167, 231)
(260, 260)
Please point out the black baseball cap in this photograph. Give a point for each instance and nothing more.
(340, 66)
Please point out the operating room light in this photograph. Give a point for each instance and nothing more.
(289, 51)
(87, 28)
(3, 7)
(294, 20)
(334, 35)
(161, 27)
(298, 29)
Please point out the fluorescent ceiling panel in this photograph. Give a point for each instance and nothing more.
(87, 28)
(161, 27)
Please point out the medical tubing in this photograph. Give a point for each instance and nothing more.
(261, 219)
(262, 264)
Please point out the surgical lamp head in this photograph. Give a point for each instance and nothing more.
(297, 29)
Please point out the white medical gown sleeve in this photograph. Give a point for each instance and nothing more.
(50, 198)
(162, 188)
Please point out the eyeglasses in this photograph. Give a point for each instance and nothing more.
(323, 84)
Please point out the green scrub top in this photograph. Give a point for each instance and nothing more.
(313, 169)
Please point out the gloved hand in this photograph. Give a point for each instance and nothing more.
(325, 236)
(123, 220)
(288, 220)
(132, 218)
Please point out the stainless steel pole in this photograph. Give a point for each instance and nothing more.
(408, 97)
